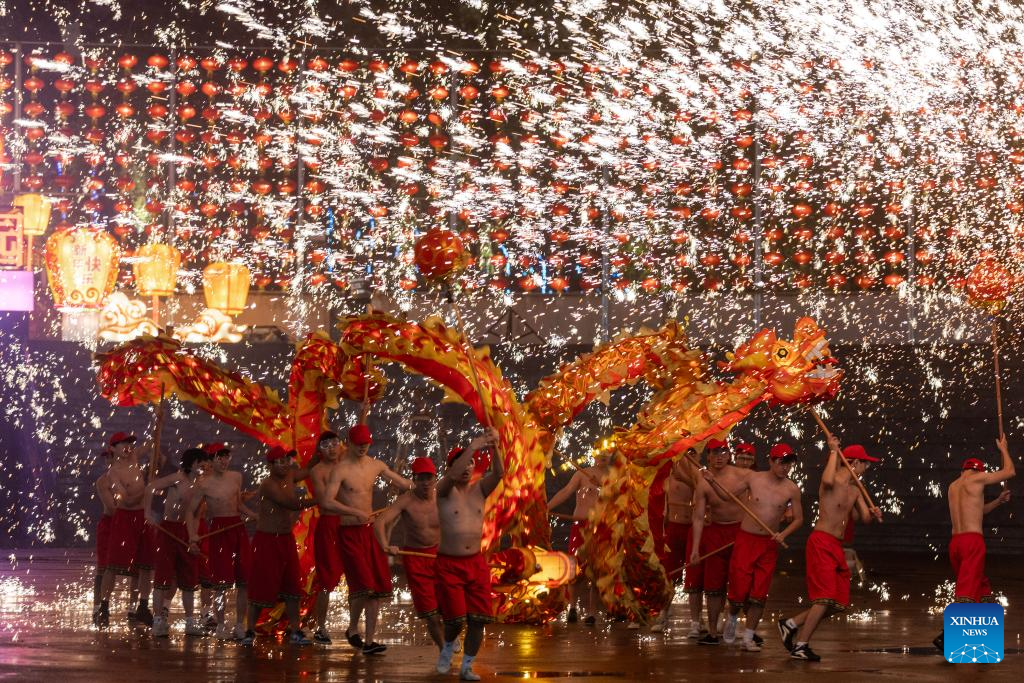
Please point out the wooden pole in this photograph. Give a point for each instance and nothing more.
(995, 360)
(222, 529)
(731, 496)
(170, 535)
(846, 463)
(412, 553)
(157, 431)
(706, 556)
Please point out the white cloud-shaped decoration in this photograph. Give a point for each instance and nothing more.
(212, 326)
(122, 319)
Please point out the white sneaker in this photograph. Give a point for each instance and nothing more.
(695, 630)
(467, 674)
(161, 629)
(750, 646)
(192, 627)
(444, 661)
(225, 632)
(238, 633)
(633, 626)
(729, 633)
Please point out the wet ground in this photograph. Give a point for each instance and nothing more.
(46, 635)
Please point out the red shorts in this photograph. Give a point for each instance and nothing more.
(576, 542)
(828, 576)
(716, 567)
(275, 569)
(230, 554)
(421, 574)
(967, 554)
(102, 543)
(327, 552)
(751, 568)
(464, 588)
(677, 537)
(175, 565)
(204, 547)
(366, 565)
(693, 576)
(130, 547)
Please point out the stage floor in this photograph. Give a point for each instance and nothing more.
(46, 635)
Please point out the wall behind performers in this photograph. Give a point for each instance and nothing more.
(49, 445)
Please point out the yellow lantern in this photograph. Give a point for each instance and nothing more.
(81, 265)
(156, 269)
(226, 287)
(36, 211)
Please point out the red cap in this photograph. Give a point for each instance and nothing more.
(744, 447)
(360, 435)
(120, 437)
(780, 450)
(857, 452)
(423, 466)
(452, 454)
(973, 464)
(715, 444)
(215, 448)
(277, 452)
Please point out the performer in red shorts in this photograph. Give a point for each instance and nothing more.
(130, 547)
(275, 569)
(229, 548)
(366, 566)
(586, 484)
(967, 508)
(327, 555)
(679, 487)
(463, 577)
(828, 577)
(418, 511)
(105, 495)
(716, 537)
(177, 562)
(768, 495)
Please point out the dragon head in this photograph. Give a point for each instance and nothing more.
(797, 371)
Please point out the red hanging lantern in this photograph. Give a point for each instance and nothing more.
(989, 284)
(439, 253)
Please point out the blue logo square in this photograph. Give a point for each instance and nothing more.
(973, 633)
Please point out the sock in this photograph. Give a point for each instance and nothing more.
(790, 623)
(467, 661)
(748, 634)
(801, 644)
(733, 617)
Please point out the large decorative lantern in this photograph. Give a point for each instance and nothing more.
(226, 287)
(81, 264)
(989, 285)
(156, 273)
(35, 209)
(439, 253)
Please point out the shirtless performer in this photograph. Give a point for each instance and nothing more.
(130, 546)
(679, 488)
(745, 456)
(229, 548)
(463, 577)
(275, 559)
(177, 562)
(828, 576)
(105, 494)
(768, 495)
(418, 511)
(326, 478)
(967, 508)
(586, 484)
(366, 566)
(725, 517)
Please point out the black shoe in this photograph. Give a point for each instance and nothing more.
(590, 621)
(101, 616)
(320, 637)
(708, 640)
(805, 653)
(249, 639)
(573, 616)
(355, 640)
(374, 649)
(788, 633)
(210, 624)
(144, 615)
(758, 639)
(940, 642)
